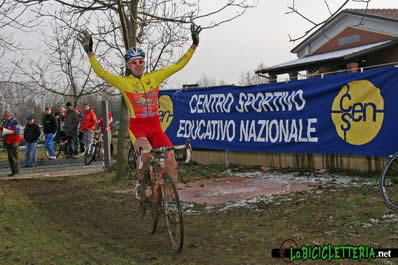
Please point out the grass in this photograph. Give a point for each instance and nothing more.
(41, 155)
(81, 220)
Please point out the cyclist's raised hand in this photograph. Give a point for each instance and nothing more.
(195, 30)
(86, 40)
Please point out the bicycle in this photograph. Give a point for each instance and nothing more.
(96, 148)
(164, 195)
(132, 161)
(60, 148)
(389, 182)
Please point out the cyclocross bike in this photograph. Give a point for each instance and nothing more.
(389, 181)
(164, 197)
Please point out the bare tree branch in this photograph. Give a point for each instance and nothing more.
(316, 25)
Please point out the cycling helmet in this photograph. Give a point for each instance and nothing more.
(134, 53)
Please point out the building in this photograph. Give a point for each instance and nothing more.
(354, 39)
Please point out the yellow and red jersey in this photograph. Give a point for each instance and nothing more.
(141, 94)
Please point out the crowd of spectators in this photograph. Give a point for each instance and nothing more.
(70, 125)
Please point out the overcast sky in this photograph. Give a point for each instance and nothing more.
(260, 36)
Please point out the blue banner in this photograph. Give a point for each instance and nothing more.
(353, 113)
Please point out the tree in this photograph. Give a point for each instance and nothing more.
(11, 16)
(158, 25)
(315, 25)
(250, 78)
(65, 71)
(205, 81)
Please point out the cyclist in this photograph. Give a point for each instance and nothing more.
(140, 92)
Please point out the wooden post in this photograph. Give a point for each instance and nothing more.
(226, 159)
(107, 139)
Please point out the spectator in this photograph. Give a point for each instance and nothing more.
(50, 131)
(3, 121)
(81, 133)
(31, 135)
(71, 130)
(61, 124)
(12, 131)
(79, 111)
(110, 126)
(89, 122)
(110, 122)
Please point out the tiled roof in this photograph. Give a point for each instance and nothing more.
(388, 13)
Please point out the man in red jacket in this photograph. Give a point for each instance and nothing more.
(12, 132)
(89, 122)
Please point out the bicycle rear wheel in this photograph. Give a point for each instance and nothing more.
(90, 154)
(389, 182)
(173, 213)
(132, 162)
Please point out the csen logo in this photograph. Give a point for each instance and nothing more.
(358, 112)
(165, 111)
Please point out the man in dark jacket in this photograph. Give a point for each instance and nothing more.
(50, 130)
(31, 135)
(12, 132)
(71, 129)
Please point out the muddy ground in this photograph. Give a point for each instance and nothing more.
(84, 220)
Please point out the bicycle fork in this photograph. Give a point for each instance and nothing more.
(157, 182)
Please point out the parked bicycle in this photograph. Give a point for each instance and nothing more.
(164, 195)
(389, 182)
(96, 148)
(60, 148)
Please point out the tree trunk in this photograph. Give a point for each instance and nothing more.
(129, 28)
(122, 153)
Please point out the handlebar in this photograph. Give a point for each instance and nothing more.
(187, 146)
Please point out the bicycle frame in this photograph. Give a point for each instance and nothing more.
(157, 179)
(158, 160)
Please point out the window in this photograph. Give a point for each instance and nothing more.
(349, 39)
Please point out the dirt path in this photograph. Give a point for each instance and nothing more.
(53, 168)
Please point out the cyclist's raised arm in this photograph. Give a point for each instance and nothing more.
(164, 73)
(87, 42)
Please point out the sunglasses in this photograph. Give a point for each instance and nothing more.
(134, 62)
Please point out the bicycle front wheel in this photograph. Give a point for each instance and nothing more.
(173, 213)
(389, 182)
(149, 209)
(90, 154)
(149, 216)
